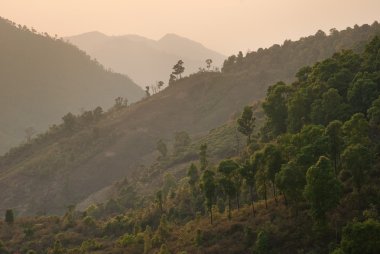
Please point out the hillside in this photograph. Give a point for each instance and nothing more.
(42, 78)
(305, 181)
(68, 166)
(146, 61)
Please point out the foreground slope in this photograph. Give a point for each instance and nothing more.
(146, 61)
(69, 165)
(43, 78)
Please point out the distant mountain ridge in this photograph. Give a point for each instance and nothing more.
(145, 60)
(42, 78)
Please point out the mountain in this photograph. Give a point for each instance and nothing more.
(308, 183)
(146, 61)
(80, 157)
(42, 78)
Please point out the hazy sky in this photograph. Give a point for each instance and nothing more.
(224, 25)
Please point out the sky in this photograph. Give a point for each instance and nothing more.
(227, 26)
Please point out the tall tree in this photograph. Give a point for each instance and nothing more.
(273, 161)
(159, 200)
(9, 216)
(322, 189)
(227, 168)
(147, 92)
(162, 148)
(356, 130)
(178, 69)
(248, 172)
(357, 160)
(261, 180)
(334, 133)
(291, 182)
(361, 237)
(374, 113)
(160, 84)
(203, 157)
(193, 176)
(362, 92)
(275, 107)
(147, 239)
(246, 123)
(208, 64)
(208, 187)
(172, 79)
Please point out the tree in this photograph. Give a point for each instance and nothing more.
(262, 243)
(246, 123)
(162, 148)
(334, 133)
(357, 160)
(164, 249)
(9, 216)
(227, 168)
(260, 176)
(147, 92)
(362, 92)
(374, 113)
(361, 237)
(208, 63)
(322, 190)
(97, 113)
(208, 187)
(119, 101)
(273, 161)
(275, 108)
(69, 121)
(181, 141)
(172, 79)
(147, 239)
(178, 69)
(298, 109)
(248, 172)
(356, 130)
(193, 176)
(160, 84)
(29, 132)
(291, 182)
(57, 248)
(203, 157)
(328, 108)
(159, 199)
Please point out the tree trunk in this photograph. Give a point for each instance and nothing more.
(252, 204)
(265, 196)
(238, 201)
(210, 215)
(229, 208)
(274, 193)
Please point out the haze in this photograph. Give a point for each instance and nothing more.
(223, 25)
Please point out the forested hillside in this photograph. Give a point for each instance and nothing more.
(90, 151)
(307, 181)
(42, 78)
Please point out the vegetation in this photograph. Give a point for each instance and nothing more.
(56, 78)
(307, 180)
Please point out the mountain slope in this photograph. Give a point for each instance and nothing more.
(71, 165)
(144, 60)
(43, 78)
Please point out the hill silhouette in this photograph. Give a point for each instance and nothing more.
(42, 78)
(146, 61)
